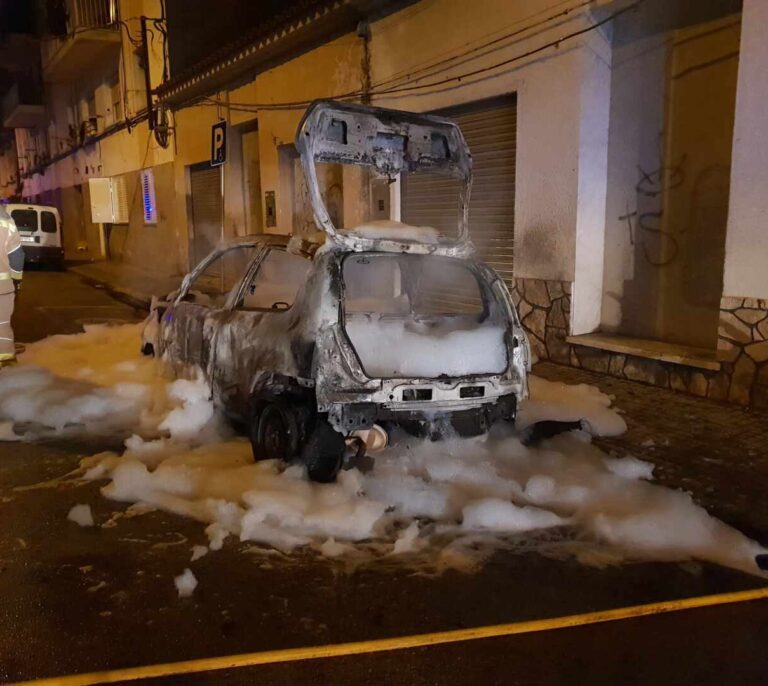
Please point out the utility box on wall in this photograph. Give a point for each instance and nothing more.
(109, 200)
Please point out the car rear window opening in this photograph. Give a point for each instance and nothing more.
(419, 316)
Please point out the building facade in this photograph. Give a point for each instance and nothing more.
(86, 119)
(618, 152)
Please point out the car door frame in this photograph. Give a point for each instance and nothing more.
(180, 325)
(234, 394)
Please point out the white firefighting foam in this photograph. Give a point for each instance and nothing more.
(442, 501)
(98, 383)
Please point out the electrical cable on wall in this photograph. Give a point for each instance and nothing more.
(402, 89)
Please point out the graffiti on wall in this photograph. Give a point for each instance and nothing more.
(646, 224)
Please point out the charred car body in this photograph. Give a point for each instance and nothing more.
(311, 346)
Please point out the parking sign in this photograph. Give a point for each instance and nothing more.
(218, 143)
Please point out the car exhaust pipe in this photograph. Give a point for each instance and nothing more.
(375, 439)
(362, 442)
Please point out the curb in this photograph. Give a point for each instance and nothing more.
(124, 294)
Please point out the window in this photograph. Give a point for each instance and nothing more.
(93, 118)
(211, 287)
(48, 222)
(276, 283)
(116, 100)
(148, 196)
(26, 220)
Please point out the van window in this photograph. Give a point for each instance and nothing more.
(26, 220)
(48, 222)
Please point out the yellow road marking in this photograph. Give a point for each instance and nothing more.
(381, 645)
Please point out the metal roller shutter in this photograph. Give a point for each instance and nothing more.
(205, 183)
(490, 129)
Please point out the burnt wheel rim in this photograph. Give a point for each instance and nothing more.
(274, 433)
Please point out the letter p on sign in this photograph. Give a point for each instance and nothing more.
(218, 143)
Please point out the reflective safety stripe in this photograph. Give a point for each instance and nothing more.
(15, 274)
(5, 276)
(7, 356)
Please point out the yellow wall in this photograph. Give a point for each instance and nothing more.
(549, 109)
(327, 71)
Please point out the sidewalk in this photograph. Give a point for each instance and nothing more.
(126, 282)
(716, 451)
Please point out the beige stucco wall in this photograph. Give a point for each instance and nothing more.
(671, 124)
(746, 253)
(548, 105)
(555, 108)
(139, 243)
(327, 71)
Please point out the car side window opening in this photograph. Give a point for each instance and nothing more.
(212, 286)
(276, 283)
(48, 222)
(26, 220)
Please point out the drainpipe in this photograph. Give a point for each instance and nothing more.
(364, 32)
(147, 78)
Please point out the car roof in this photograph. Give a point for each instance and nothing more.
(270, 239)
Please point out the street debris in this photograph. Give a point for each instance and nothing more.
(198, 551)
(7, 434)
(81, 514)
(186, 583)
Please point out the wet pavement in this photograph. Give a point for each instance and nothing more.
(78, 599)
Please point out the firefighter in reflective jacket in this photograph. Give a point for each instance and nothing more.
(11, 271)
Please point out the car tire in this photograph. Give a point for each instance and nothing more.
(275, 432)
(323, 453)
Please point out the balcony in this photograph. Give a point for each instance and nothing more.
(23, 106)
(92, 35)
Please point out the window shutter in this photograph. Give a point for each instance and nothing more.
(120, 200)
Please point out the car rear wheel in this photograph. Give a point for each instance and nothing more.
(275, 432)
(323, 453)
(289, 429)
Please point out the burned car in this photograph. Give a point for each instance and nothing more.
(319, 347)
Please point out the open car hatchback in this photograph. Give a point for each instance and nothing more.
(321, 346)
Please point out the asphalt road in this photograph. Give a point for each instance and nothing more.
(78, 599)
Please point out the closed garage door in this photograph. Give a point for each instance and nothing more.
(205, 183)
(490, 129)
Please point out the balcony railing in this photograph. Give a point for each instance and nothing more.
(91, 13)
(86, 28)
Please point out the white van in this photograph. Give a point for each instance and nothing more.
(40, 230)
